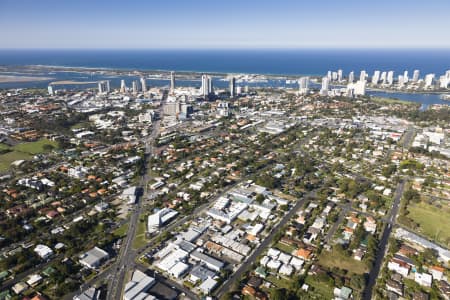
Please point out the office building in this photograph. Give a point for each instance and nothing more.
(232, 87)
(143, 85)
(186, 110)
(172, 108)
(416, 75)
(303, 84)
(158, 219)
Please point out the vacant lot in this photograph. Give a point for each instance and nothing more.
(339, 260)
(434, 222)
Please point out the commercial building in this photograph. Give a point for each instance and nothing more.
(94, 258)
(156, 220)
(138, 286)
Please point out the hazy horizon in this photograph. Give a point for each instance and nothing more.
(231, 24)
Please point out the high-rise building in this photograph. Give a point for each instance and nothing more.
(303, 84)
(376, 77)
(206, 85)
(363, 75)
(416, 75)
(405, 77)
(390, 77)
(334, 76)
(103, 87)
(172, 108)
(444, 81)
(329, 76)
(51, 92)
(360, 88)
(383, 77)
(232, 87)
(135, 87)
(143, 85)
(401, 80)
(172, 82)
(356, 89)
(351, 77)
(339, 75)
(325, 86)
(123, 87)
(429, 80)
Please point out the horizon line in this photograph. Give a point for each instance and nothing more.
(224, 48)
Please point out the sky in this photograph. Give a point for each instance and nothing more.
(146, 24)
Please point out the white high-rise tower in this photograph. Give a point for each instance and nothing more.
(303, 84)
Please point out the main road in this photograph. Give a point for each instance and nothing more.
(127, 255)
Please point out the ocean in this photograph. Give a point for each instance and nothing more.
(284, 62)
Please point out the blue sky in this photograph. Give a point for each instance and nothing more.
(224, 24)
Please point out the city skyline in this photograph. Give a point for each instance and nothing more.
(231, 24)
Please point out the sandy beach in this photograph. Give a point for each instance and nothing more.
(10, 78)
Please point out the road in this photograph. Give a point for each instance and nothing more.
(374, 272)
(251, 259)
(127, 255)
(344, 210)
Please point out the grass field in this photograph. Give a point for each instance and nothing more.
(434, 222)
(341, 261)
(8, 158)
(22, 151)
(319, 289)
(121, 231)
(35, 147)
(140, 240)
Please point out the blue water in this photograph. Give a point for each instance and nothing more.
(287, 62)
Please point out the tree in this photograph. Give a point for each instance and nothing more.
(278, 294)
